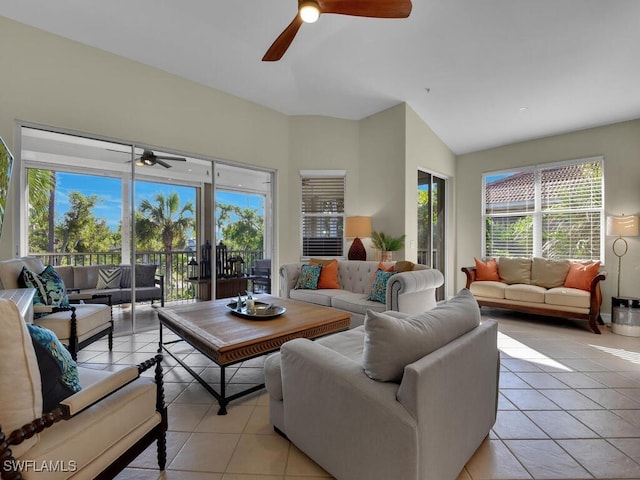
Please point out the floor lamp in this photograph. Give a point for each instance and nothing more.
(357, 227)
(623, 226)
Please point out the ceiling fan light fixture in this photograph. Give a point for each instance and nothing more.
(309, 11)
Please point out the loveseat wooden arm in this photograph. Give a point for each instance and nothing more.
(470, 272)
(76, 404)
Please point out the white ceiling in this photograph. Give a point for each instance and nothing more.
(467, 67)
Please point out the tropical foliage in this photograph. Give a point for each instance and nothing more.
(387, 243)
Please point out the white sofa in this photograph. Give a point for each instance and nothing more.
(424, 423)
(75, 326)
(92, 434)
(537, 286)
(409, 292)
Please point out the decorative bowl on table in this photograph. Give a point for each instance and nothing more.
(261, 311)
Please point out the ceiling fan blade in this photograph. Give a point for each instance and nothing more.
(175, 159)
(164, 164)
(370, 8)
(282, 43)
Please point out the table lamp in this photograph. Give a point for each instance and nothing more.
(356, 227)
(622, 226)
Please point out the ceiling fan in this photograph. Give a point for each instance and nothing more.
(310, 10)
(149, 159)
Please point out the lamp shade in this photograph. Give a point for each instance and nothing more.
(357, 227)
(622, 226)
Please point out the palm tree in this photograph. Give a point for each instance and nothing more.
(42, 194)
(166, 219)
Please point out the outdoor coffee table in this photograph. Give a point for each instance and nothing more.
(226, 339)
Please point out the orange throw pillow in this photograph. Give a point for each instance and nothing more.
(328, 274)
(580, 275)
(487, 270)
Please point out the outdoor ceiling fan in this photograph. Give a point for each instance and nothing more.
(149, 159)
(309, 11)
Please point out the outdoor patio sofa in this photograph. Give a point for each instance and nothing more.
(82, 283)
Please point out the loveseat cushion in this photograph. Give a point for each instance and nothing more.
(514, 270)
(525, 293)
(488, 289)
(356, 303)
(92, 318)
(568, 297)
(549, 273)
(319, 297)
(392, 343)
(20, 386)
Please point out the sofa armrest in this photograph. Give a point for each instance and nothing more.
(289, 273)
(77, 403)
(96, 392)
(414, 291)
(329, 400)
(470, 272)
(453, 394)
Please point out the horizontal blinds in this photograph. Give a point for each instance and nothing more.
(572, 187)
(322, 216)
(562, 203)
(511, 193)
(509, 236)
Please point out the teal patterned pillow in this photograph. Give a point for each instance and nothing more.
(379, 288)
(309, 276)
(50, 289)
(58, 371)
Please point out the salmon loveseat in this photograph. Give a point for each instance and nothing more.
(539, 286)
(409, 292)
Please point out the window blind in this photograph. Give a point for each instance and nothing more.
(551, 211)
(322, 210)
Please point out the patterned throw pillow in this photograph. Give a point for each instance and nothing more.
(58, 371)
(50, 289)
(379, 287)
(309, 276)
(108, 278)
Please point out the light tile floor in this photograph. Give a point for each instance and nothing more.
(569, 408)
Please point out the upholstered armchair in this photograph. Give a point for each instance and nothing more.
(77, 325)
(59, 420)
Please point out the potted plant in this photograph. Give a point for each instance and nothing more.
(387, 244)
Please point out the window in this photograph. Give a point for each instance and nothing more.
(550, 211)
(322, 213)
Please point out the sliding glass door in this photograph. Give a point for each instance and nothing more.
(431, 223)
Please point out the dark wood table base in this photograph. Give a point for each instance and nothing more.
(226, 339)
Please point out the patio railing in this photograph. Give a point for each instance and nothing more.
(175, 271)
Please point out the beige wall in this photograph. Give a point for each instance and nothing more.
(620, 146)
(53, 81)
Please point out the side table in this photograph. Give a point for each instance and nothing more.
(625, 316)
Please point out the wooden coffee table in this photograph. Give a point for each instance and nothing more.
(227, 339)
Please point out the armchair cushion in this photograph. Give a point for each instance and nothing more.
(58, 371)
(50, 288)
(392, 343)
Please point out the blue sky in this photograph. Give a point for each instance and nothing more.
(109, 191)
